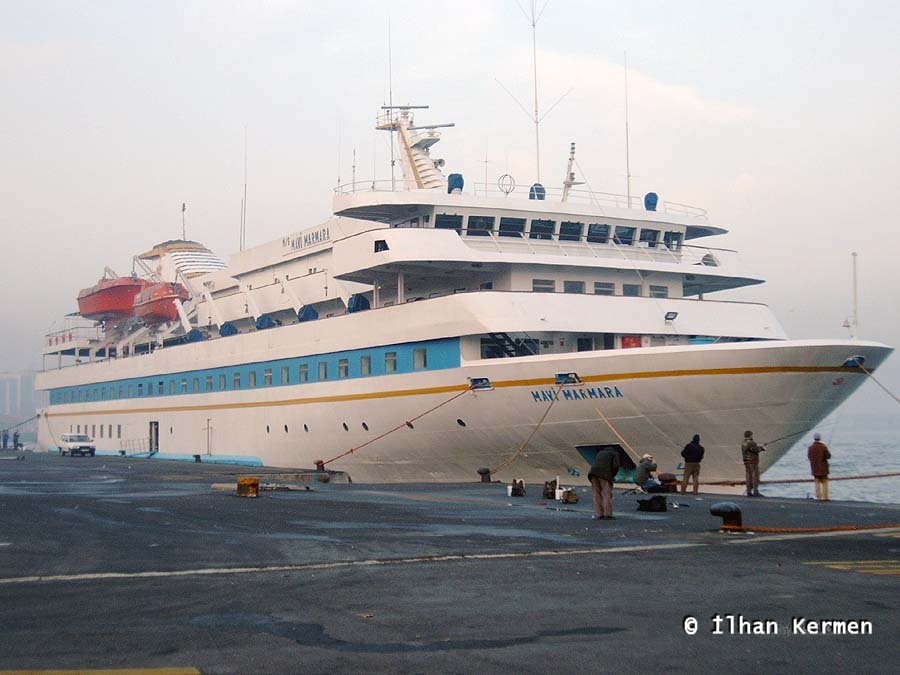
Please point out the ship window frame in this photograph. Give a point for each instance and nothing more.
(323, 370)
(598, 233)
(420, 358)
(673, 241)
(183, 386)
(251, 379)
(570, 230)
(365, 365)
(448, 221)
(390, 362)
(477, 228)
(171, 387)
(130, 391)
(628, 290)
(285, 375)
(236, 380)
(223, 381)
(195, 385)
(575, 284)
(303, 373)
(542, 232)
(512, 226)
(343, 368)
(623, 235)
(601, 288)
(649, 236)
(658, 291)
(208, 382)
(267, 377)
(118, 431)
(543, 285)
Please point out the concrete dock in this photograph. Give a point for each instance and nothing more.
(124, 563)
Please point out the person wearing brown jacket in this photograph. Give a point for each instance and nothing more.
(818, 462)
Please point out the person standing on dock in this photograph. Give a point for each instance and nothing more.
(818, 462)
(693, 455)
(5, 438)
(750, 454)
(602, 474)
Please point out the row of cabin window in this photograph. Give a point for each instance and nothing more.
(175, 386)
(597, 233)
(600, 288)
(93, 434)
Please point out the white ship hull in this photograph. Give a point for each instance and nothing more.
(655, 398)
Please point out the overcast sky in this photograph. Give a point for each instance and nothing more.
(780, 118)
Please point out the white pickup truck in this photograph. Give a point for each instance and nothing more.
(76, 444)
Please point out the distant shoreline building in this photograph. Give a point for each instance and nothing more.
(18, 400)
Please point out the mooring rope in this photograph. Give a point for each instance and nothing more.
(406, 423)
(784, 481)
(807, 530)
(875, 380)
(509, 460)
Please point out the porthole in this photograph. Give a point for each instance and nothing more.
(410, 425)
(346, 428)
(365, 426)
(285, 428)
(305, 428)
(267, 429)
(171, 430)
(460, 422)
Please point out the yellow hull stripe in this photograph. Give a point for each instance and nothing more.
(447, 389)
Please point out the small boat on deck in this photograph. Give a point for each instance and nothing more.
(156, 302)
(111, 299)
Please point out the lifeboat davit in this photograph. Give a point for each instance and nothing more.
(111, 299)
(156, 302)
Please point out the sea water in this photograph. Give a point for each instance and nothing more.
(859, 444)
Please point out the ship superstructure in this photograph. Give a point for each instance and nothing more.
(570, 319)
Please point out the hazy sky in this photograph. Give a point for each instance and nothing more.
(781, 118)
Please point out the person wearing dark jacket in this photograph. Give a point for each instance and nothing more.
(750, 454)
(818, 462)
(693, 455)
(602, 474)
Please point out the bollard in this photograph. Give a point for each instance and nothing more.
(121, 453)
(729, 512)
(320, 465)
(247, 487)
(485, 474)
(197, 459)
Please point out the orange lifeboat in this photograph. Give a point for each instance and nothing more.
(156, 302)
(111, 299)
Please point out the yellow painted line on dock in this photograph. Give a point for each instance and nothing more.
(377, 562)
(610, 378)
(812, 535)
(879, 567)
(115, 671)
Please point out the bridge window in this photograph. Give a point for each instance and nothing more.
(480, 226)
(236, 381)
(649, 237)
(251, 379)
(512, 227)
(304, 373)
(443, 221)
(323, 370)
(285, 375)
(365, 365)
(343, 367)
(183, 386)
(598, 233)
(267, 377)
(390, 362)
(542, 229)
(381, 245)
(543, 285)
(659, 291)
(570, 231)
(673, 240)
(130, 391)
(420, 359)
(196, 385)
(604, 288)
(223, 382)
(624, 235)
(631, 290)
(573, 287)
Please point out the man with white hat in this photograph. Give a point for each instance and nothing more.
(818, 462)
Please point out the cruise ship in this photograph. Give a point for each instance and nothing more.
(429, 330)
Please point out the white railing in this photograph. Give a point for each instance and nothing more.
(74, 334)
(575, 196)
(683, 254)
